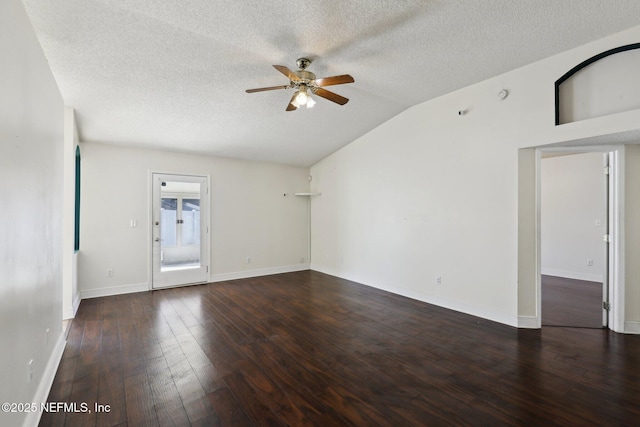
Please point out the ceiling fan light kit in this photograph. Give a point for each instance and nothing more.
(306, 84)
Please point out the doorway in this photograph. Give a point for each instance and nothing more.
(180, 218)
(574, 236)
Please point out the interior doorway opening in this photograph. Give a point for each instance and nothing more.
(612, 303)
(573, 228)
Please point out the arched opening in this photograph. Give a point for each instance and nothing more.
(598, 87)
(76, 233)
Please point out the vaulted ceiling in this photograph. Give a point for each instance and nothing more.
(172, 74)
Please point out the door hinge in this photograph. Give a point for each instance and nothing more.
(607, 170)
(606, 305)
(606, 238)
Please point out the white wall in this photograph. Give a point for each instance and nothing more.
(251, 217)
(433, 194)
(572, 200)
(31, 137)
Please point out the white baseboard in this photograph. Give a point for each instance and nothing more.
(632, 327)
(42, 392)
(76, 303)
(572, 275)
(70, 314)
(429, 299)
(141, 287)
(528, 322)
(113, 290)
(221, 277)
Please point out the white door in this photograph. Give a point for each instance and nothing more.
(180, 230)
(606, 237)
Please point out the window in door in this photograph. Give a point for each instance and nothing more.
(180, 231)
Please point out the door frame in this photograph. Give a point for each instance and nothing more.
(615, 252)
(205, 243)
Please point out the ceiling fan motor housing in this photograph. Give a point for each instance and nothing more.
(305, 76)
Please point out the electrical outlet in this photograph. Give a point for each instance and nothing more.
(439, 280)
(590, 262)
(248, 260)
(302, 260)
(109, 272)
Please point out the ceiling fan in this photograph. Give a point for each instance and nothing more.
(306, 84)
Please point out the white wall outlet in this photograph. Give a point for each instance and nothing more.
(302, 259)
(590, 262)
(133, 223)
(248, 260)
(109, 272)
(30, 371)
(438, 280)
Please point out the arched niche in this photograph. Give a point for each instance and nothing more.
(607, 83)
(76, 229)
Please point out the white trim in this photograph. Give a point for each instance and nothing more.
(221, 277)
(114, 290)
(572, 275)
(76, 303)
(142, 287)
(617, 247)
(528, 322)
(205, 239)
(70, 314)
(49, 374)
(631, 327)
(616, 228)
(431, 299)
(538, 234)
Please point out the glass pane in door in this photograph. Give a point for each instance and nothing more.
(180, 226)
(168, 216)
(191, 224)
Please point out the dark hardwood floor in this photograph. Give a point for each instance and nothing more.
(310, 349)
(571, 302)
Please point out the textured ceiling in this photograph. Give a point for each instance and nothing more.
(172, 74)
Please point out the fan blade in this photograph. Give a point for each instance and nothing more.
(292, 107)
(331, 96)
(262, 89)
(287, 72)
(335, 80)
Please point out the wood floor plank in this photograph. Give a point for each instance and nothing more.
(306, 348)
(227, 409)
(168, 403)
(139, 401)
(571, 302)
(111, 392)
